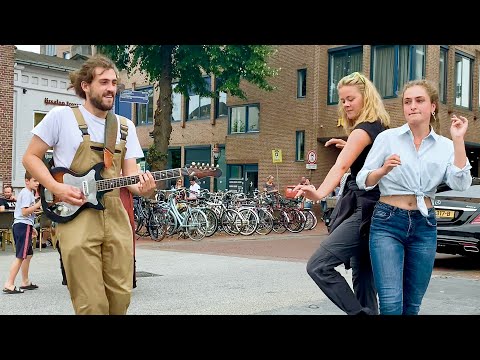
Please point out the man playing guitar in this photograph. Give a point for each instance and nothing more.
(96, 245)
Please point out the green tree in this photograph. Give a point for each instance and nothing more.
(188, 64)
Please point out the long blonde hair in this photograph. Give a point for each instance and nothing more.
(432, 93)
(373, 108)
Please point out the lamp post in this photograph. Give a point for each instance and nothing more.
(215, 153)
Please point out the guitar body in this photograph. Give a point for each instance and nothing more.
(94, 186)
(62, 212)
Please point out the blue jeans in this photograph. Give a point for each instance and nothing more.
(402, 245)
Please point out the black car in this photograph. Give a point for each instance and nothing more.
(458, 220)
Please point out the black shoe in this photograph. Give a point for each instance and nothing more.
(64, 282)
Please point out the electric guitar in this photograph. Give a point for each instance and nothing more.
(94, 186)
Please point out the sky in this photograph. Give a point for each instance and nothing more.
(34, 48)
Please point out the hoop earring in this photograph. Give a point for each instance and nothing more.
(433, 114)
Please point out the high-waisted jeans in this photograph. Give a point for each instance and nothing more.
(402, 245)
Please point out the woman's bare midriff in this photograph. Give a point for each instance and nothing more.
(405, 202)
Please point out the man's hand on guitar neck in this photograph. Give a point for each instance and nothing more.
(146, 186)
(69, 194)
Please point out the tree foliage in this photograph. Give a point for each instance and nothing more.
(187, 65)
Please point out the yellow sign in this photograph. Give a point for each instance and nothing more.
(277, 155)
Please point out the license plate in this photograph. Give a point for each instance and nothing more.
(445, 214)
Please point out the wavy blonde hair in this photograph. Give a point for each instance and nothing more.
(373, 108)
(432, 93)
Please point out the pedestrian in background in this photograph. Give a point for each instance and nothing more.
(361, 108)
(23, 230)
(408, 163)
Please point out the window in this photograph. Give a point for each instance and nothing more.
(176, 104)
(220, 102)
(300, 147)
(442, 85)
(394, 65)
(51, 50)
(341, 63)
(244, 119)
(145, 111)
(82, 49)
(221, 106)
(199, 107)
(463, 80)
(301, 83)
(236, 171)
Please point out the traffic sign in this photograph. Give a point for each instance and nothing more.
(277, 155)
(139, 97)
(312, 157)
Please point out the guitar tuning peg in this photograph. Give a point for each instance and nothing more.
(218, 166)
(193, 163)
(208, 165)
(203, 164)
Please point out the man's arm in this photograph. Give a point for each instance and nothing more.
(33, 163)
(31, 209)
(146, 186)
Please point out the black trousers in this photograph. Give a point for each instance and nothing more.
(345, 246)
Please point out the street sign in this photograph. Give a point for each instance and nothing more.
(312, 157)
(139, 97)
(277, 155)
(311, 166)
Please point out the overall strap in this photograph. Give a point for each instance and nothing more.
(123, 128)
(111, 127)
(81, 123)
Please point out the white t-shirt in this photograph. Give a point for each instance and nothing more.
(59, 129)
(194, 190)
(24, 200)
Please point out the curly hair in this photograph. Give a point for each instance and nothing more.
(87, 73)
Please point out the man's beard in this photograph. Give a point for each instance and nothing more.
(97, 102)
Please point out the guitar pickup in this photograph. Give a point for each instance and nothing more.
(85, 188)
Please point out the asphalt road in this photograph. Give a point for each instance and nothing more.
(239, 275)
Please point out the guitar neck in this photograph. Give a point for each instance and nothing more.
(115, 183)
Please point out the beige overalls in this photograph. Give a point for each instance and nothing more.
(96, 246)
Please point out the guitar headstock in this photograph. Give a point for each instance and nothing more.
(203, 170)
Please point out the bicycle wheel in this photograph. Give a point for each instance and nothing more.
(212, 221)
(265, 222)
(249, 221)
(196, 225)
(157, 225)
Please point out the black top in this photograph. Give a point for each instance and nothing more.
(9, 204)
(352, 196)
(372, 129)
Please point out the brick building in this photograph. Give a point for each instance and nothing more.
(7, 54)
(301, 114)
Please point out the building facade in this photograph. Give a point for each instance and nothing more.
(7, 61)
(301, 114)
(274, 132)
(40, 83)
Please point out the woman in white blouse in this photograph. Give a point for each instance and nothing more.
(408, 163)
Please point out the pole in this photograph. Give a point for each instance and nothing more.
(276, 165)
